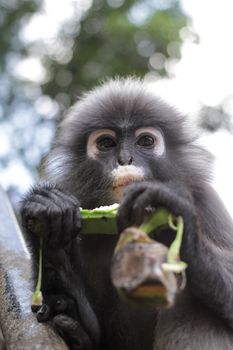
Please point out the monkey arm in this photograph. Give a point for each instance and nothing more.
(207, 244)
(49, 213)
(51, 217)
(210, 257)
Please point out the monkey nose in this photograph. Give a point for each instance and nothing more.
(125, 160)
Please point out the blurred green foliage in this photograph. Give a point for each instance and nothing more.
(116, 38)
(13, 15)
(109, 38)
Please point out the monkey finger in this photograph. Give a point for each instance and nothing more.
(32, 208)
(139, 209)
(125, 215)
(77, 223)
(60, 305)
(34, 218)
(44, 313)
(67, 218)
(67, 227)
(73, 332)
(55, 225)
(66, 198)
(52, 305)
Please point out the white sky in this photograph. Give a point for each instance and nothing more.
(204, 74)
(212, 20)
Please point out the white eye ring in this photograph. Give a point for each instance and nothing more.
(92, 150)
(156, 134)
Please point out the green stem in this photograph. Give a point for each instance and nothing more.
(39, 282)
(37, 295)
(163, 218)
(157, 219)
(174, 250)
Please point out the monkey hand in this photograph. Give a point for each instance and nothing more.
(173, 196)
(48, 212)
(61, 310)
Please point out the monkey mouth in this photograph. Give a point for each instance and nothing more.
(125, 181)
(120, 184)
(123, 176)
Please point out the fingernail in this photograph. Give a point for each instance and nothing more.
(44, 308)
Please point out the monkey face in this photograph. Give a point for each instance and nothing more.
(123, 154)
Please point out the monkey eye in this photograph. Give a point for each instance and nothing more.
(146, 141)
(100, 140)
(150, 138)
(104, 143)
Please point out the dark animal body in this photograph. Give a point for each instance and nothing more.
(121, 138)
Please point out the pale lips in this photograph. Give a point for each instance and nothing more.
(123, 181)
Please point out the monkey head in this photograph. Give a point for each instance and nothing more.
(118, 134)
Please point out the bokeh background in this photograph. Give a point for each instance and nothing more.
(53, 51)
